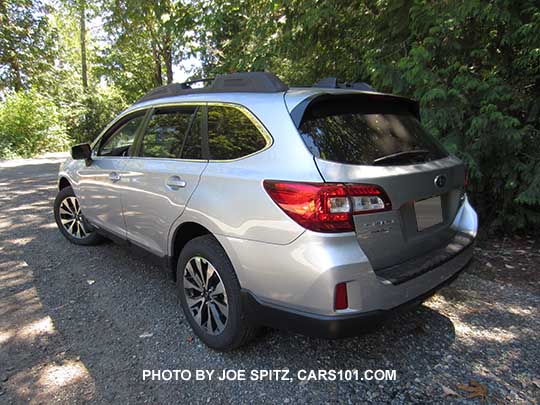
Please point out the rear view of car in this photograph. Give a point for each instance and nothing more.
(312, 209)
(391, 213)
(410, 189)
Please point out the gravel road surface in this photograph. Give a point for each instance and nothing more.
(80, 324)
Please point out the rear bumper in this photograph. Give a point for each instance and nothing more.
(299, 279)
(336, 326)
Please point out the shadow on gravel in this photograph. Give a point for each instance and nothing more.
(27, 174)
(82, 323)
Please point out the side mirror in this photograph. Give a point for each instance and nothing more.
(81, 151)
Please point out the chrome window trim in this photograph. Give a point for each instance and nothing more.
(169, 159)
(246, 111)
(97, 157)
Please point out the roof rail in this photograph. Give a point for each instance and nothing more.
(332, 83)
(246, 82)
(187, 85)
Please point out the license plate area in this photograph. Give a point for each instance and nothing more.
(428, 213)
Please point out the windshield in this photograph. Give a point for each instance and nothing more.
(351, 130)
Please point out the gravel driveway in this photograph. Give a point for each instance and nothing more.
(80, 324)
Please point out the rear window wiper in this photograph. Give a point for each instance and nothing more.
(401, 157)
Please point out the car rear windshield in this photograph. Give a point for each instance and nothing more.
(367, 130)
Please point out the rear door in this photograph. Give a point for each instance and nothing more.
(160, 179)
(378, 140)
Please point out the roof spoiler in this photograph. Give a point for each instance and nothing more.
(297, 114)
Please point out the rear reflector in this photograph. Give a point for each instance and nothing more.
(341, 300)
(327, 207)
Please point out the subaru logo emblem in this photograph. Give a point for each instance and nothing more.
(440, 181)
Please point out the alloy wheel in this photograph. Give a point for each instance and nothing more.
(71, 217)
(205, 295)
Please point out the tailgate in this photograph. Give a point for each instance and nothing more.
(378, 139)
(395, 236)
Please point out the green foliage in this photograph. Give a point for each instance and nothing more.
(475, 68)
(301, 40)
(30, 124)
(145, 39)
(24, 22)
(51, 109)
(128, 65)
(92, 112)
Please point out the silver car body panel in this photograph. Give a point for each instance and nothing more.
(100, 198)
(151, 201)
(275, 258)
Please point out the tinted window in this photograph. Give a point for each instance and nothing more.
(231, 134)
(173, 133)
(352, 131)
(119, 143)
(192, 142)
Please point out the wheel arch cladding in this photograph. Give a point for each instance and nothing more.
(182, 235)
(63, 183)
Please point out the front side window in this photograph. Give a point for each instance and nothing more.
(121, 140)
(173, 133)
(231, 134)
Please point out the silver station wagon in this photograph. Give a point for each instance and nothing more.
(313, 209)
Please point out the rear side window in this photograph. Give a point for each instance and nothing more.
(360, 131)
(173, 133)
(231, 134)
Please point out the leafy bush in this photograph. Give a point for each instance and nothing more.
(30, 124)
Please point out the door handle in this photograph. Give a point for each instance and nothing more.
(114, 177)
(175, 182)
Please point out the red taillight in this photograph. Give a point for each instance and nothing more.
(341, 300)
(326, 207)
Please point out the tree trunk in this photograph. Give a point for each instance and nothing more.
(158, 79)
(12, 59)
(84, 67)
(16, 68)
(168, 63)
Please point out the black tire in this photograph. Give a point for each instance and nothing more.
(86, 239)
(237, 330)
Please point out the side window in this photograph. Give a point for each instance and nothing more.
(231, 134)
(193, 140)
(121, 140)
(173, 132)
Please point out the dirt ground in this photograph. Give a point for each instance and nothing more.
(80, 324)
